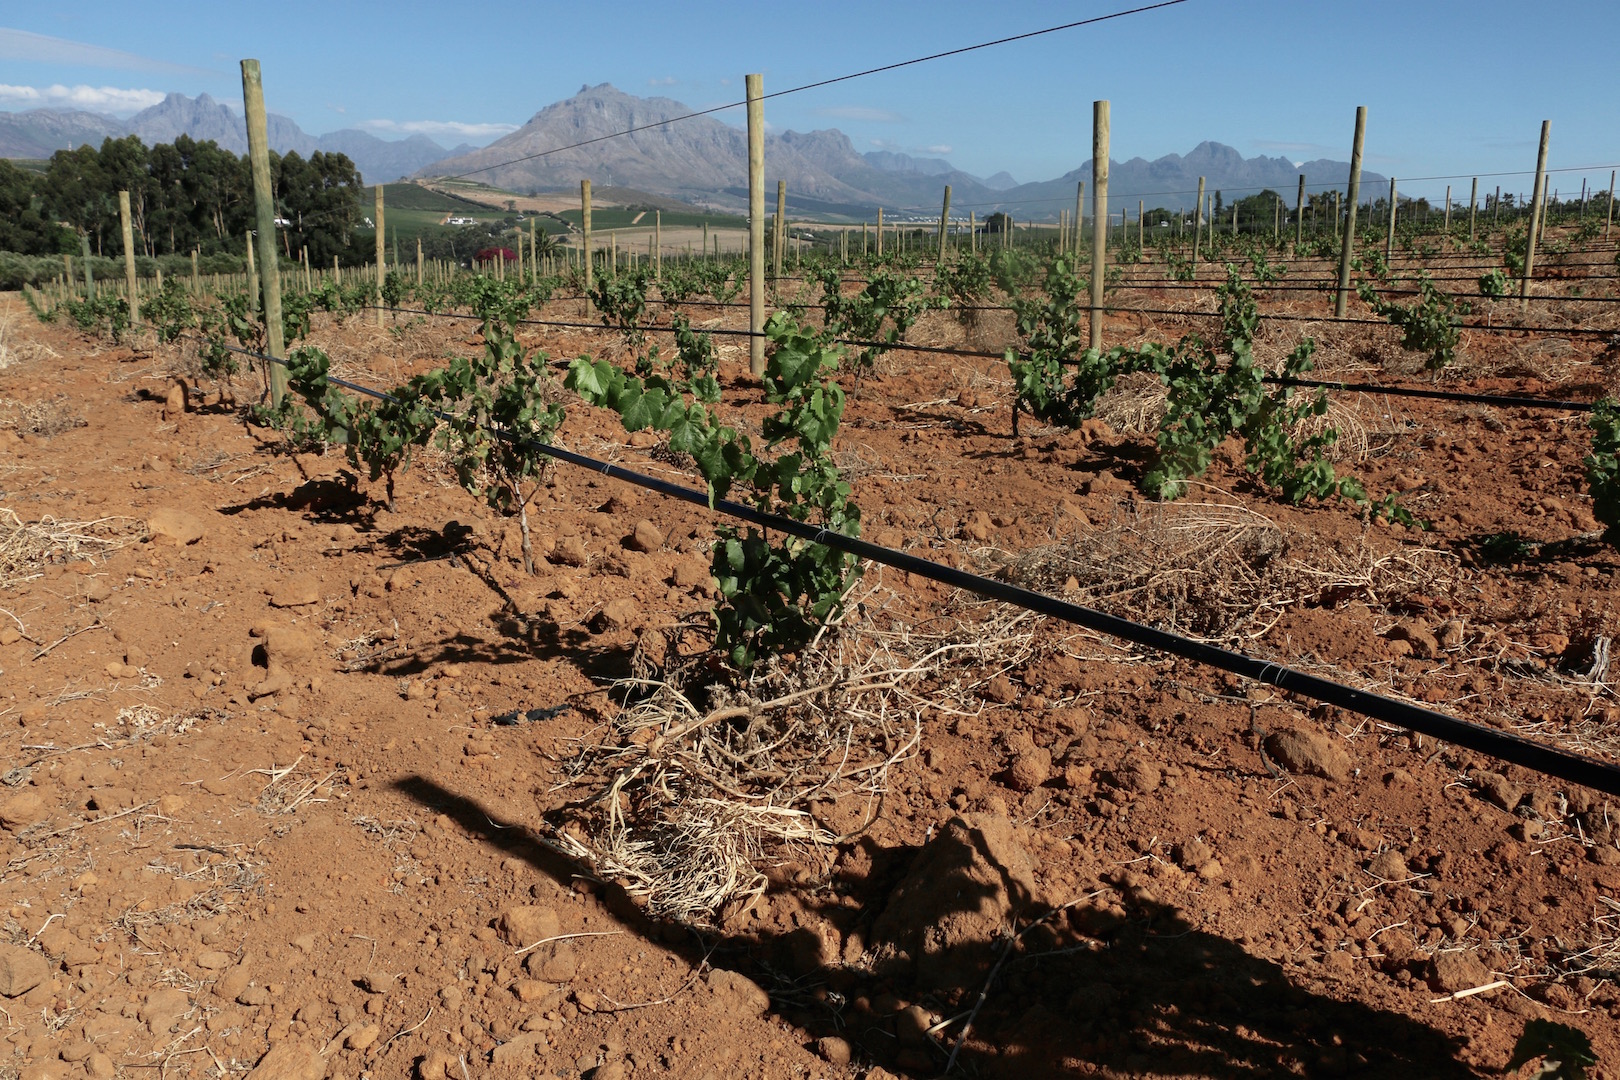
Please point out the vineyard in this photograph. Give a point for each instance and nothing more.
(529, 686)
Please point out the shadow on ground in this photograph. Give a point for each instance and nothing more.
(1119, 985)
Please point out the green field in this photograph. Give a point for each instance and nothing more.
(613, 217)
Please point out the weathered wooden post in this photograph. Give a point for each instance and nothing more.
(1389, 244)
(1537, 194)
(196, 274)
(880, 233)
(973, 233)
(1496, 206)
(1608, 216)
(419, 260)
(1099, 215)
(658, 244)
(1447, 225)
(1473, 199)
(756, 222)
(253, 276)
(128, 229)
(1299, 213)
(1079, 218)
(1198, 223)
(1343, 297)
(1140, 215)
(777, 232)
(585, 237)
(264, 205)
(377, 291)
(944, 222)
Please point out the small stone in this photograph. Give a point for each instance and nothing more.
(359, 1040)
(21, 970)
(22, 810)
(163, 1009)
(1498, 790)
(833, 1050)
(1309, 752)
(618, 614)
(10, 635)
(1418, 636)
(233, 982)
(439, 1065)
(532, 990)
(646, 537)
(570, 551)
(527, 924)
(747, 995)
(1450, 972)
(554, 963)
(213, 960)
(100, 1066)
(290, 1061)
(174, 402)
(689, 574)
(1000, 690)
(296, 593)
(378, 982)
(1031, 765)
(911, 1026)
(1139, 774)
(520, 1051)
(1388, 866)
(175, 526)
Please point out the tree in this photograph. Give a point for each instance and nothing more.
(23, 228)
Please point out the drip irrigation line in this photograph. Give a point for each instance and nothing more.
(1504, 400)
(827, 82)
(1548, 760)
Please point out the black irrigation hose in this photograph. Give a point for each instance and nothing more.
(1505, 401)
(1547, 760)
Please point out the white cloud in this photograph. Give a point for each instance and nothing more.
(111, 99)
(667, 80)
(39, 48)
(860, 112)
(439, 127)
(938, 148)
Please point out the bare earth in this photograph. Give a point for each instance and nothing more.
(255, 813)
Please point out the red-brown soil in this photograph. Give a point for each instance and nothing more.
(253, 805)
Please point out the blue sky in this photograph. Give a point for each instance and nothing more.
(1441, 80)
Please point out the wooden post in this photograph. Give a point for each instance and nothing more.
(1099, 215)
(658, 244)
(1473, 198)
(973, 232)
(1198, 221)
(944, 222)
(613, 253)
(1299, 212)
(196, 275)
(1349, 241)
(1496, 206)
(880, 233)
(253, 276)
(1447, 225)
(1079, 218)
(1140, 215)
(778, 233)
(756, 222)
(863, 240)
(129, 258)
(264, 204)
(1389, 244)
(1537, 194)
(377, 291)
(585, 236)
(1608, 216)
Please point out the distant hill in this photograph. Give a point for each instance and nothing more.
(705, 161)
(698, 160)
(39, 133)
(1171, 181)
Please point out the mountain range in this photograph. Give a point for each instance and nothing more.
(704, 161)
(699, 160)
(39, 133)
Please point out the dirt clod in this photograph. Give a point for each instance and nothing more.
(21, 970)
(290, 1061)
(175, 526)
(1303, 751)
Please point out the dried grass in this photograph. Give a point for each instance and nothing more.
(43, 418)
(27, 547)
(687, 804)
(15, 349)
(1218, 571)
